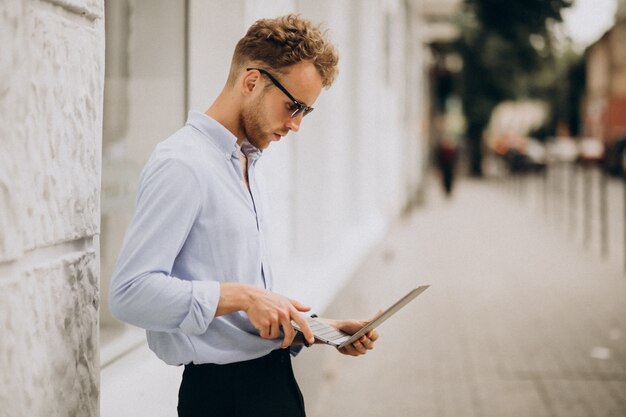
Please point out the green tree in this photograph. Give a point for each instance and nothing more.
(505, 45)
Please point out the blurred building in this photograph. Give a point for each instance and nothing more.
(605, 93)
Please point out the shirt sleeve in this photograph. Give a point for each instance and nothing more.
(143, 292)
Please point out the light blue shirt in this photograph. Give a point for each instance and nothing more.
(195, 225)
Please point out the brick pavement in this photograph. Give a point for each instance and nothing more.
(519, 321)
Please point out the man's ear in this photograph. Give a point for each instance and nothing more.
(250, 82)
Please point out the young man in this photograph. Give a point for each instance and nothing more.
(193, 269)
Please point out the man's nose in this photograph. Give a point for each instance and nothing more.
(294, 123)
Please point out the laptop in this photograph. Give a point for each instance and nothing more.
(332, 336)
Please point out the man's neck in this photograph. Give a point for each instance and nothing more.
(226, 112)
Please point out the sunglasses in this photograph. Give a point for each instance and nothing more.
(296, 107)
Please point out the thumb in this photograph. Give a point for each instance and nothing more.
(377, 315)
(299, 306)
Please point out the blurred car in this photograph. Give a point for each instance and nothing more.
(563, 149)
(521, 153)
(591, 150)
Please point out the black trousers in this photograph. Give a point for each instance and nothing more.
(263, 387)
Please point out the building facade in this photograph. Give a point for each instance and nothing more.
(51, 85)
(604, 108)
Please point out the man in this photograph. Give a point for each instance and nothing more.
(193, 269)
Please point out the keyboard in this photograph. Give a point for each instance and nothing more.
(323, 331)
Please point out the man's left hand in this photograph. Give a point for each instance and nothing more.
(358, 347)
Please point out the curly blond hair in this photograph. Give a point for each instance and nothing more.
(281, 42)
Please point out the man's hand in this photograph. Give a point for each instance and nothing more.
(365, 342)
(268, 312)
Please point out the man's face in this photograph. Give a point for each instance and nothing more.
(266, 116)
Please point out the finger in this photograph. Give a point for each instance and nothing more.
(299, 306)
(372, 335)
(275, 325)
(349, 350)
(274, 332)
(378, 314)
(264, 332)
(304, 327)
(358, 346)
(289, 333)
(269, 332)
(367, 343)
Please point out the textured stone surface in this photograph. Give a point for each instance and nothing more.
(49, 171)
(51, 76)
(92, 9)
(49, 347)
(12, 108)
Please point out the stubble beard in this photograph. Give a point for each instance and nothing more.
(253, 126)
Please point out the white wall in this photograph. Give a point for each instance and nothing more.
(51, 81)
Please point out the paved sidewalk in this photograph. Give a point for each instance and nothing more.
(519, 320)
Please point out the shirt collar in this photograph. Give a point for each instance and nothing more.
(220, 136)
(250, 150)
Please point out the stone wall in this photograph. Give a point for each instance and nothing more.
(51, 83)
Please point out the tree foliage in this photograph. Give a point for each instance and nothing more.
(505, 46)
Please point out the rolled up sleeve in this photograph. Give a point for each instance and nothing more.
(204, 300)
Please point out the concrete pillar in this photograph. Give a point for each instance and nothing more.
(51, 83)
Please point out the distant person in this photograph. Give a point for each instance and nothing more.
(446, 156)
(194, 268)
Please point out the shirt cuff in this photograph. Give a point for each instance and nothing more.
(205, 296)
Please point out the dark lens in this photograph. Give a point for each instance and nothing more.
(307, 111)
(299, 110)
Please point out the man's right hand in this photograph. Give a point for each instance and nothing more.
(267, 311)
